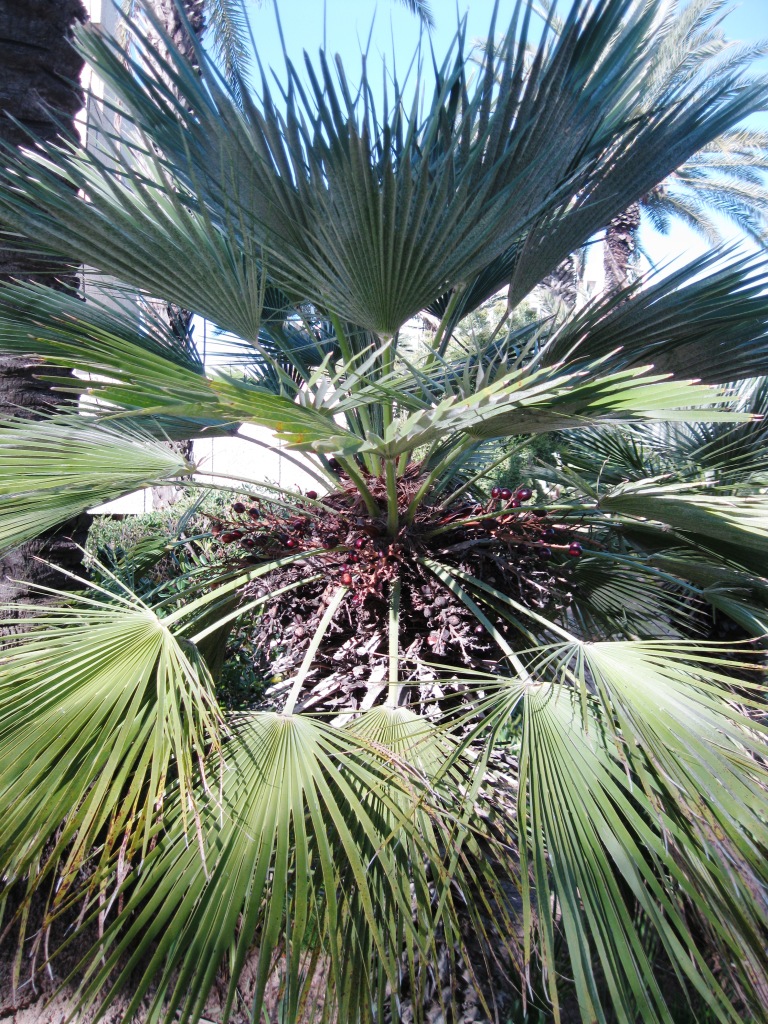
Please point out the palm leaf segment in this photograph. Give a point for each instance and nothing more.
(312, 228)
(374, 220)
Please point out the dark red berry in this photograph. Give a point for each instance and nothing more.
(515, 503)
(549, 533)
(291, 543)
(575, 549)
(346, 579)
(524, 493)
(496, 492)
(353, 557)
(545, 552)
(312, 495)
(506, 494)
(331, 540)
(360, 543)
(246, 542)
(540, 512)
(238, 507)
(227, 538)
(334, 465)
(253, 512)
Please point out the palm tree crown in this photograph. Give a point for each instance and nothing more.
(421, 618)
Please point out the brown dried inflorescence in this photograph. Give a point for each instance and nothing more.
(503, 544)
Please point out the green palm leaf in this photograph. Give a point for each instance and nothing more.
(372, 219)
(737, 524)
(634, 757)
(52, 470)
(314, 830)
(525, 402)
(704, 320)
(105, 687)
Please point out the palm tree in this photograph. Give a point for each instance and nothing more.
(419, 622)
(38, 76)
(726, 178)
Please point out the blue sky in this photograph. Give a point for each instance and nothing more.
(348, 22)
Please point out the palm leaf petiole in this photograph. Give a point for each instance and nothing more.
(395, 686)
(309, 657)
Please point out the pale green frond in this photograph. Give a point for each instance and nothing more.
(311, 836)
(589, 826)
(229, 24)
(636, 764)
(738, 525)
(139, 375)
(105, 687)
(371, 220)
(143, 229)
(51, 470)
(525, 402)
(707, 320)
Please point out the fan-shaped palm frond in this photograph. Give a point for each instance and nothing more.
(54, 469)
(613, 812)
(103, 686)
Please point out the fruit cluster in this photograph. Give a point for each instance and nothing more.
(531, 527)
(353, 545)
(509, 548)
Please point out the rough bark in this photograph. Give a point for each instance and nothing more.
(39, 95)
(563, 282)
(620, 244)
(168, 15)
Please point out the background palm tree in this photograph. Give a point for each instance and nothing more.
(38, 94)
(726, 178)
(346, 826)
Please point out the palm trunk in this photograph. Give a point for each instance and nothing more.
(620, 244)
(39, 94)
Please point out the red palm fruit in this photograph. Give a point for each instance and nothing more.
(253, 512)
(575, 549)
(246, 542)
(331, 540)
(360, 542)
(227, 538)
(496, 492)
(545, 552)
(506, 494)
(312, 495)
(346, 579)
(290, 543)
(354, 558)
(524, 494)
(238, 507)
(515, 503)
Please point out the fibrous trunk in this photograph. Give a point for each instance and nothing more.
(620, 245)
(39, 97)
